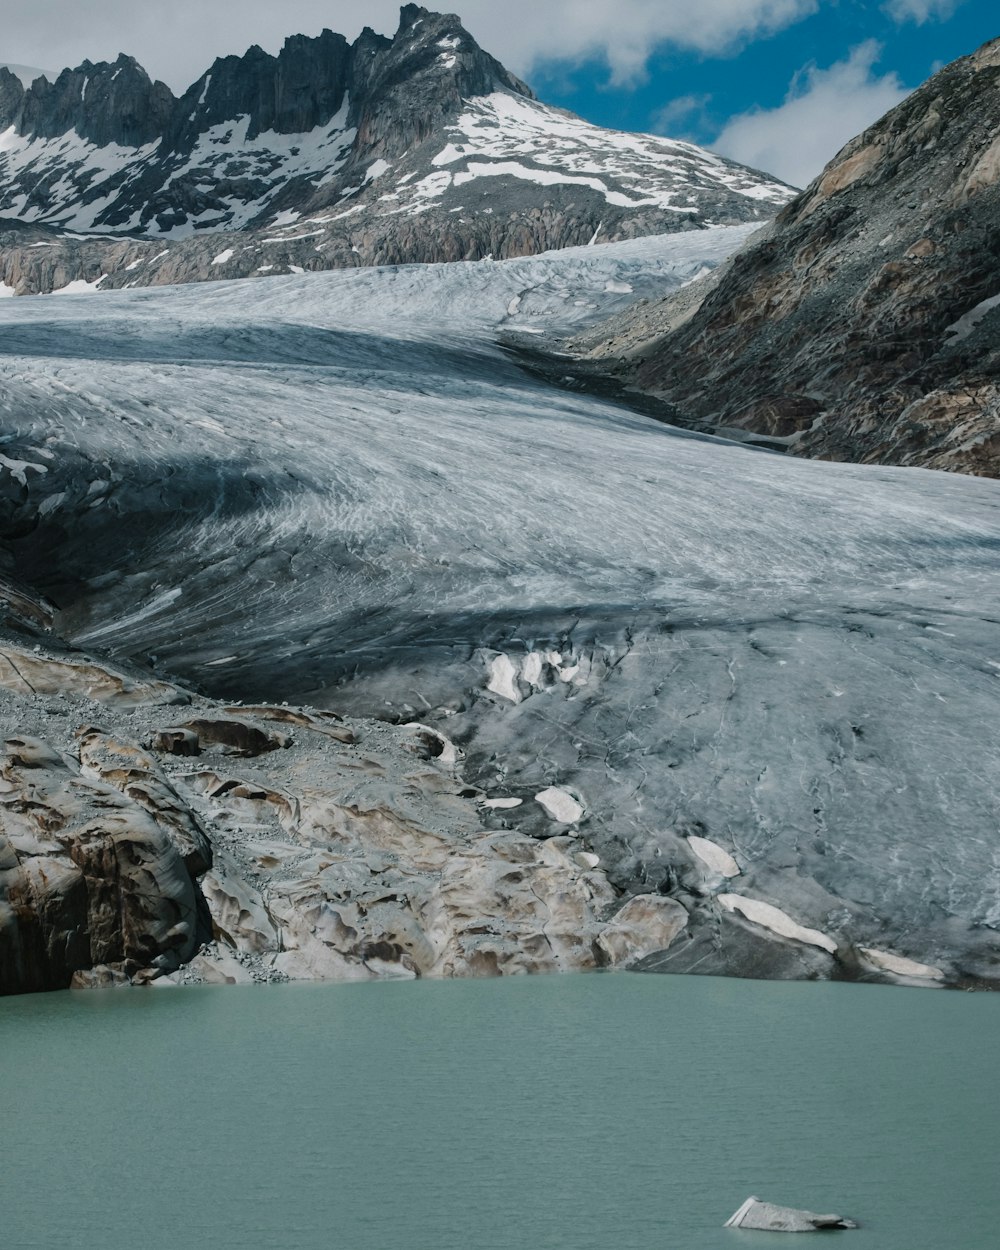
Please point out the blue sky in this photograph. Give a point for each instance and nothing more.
(807, 88)
(778, 84)
(695, 95)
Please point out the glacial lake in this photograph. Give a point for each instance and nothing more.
(602, 1112)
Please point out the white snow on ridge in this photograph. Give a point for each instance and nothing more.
(551, 177)
(499, 132)
(234, 177)
(270, 159)
(83, 164)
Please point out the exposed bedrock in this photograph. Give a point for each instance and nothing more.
(359, 853)
(861, 325)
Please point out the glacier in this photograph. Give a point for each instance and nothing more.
(344, 490)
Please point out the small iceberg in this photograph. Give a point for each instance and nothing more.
(770, 1218)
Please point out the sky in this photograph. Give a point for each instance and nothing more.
(777, 84)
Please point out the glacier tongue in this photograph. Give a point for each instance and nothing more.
(340, 488)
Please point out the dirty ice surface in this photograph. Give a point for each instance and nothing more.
(340, 488)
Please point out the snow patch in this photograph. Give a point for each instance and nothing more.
(80, 286)
(503, 679)
(960, 330)
(718, 859)
(449, 752)
(776, 920)
(286, 217)
(885, 961)
(18, 469)
(560, 805)
(532, 670)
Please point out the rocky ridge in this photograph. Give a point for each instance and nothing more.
(863, 323)
(418, 148)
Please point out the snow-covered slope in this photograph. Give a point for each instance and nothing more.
(505, 135)
(711, 659)
(417, 148)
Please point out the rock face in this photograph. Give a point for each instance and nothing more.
(327, 852)
(863, 324)
(412, 149)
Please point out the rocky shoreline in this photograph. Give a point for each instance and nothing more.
(149, 834)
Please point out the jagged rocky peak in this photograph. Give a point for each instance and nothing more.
(438, 43)
(861, 324)
(307, 83)
(420, 147)
(422, 76)
(11, 97)
(299, 89)
(103, 103)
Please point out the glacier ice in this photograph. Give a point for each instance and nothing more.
(342, 489)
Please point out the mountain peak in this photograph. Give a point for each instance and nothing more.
(418, 147)
(411, 14)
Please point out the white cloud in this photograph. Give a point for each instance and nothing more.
(521, 33)
(921, 11)
(824, 108)
(685, 110)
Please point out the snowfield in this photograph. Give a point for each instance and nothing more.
(340, 488)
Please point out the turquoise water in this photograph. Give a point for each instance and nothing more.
(604, 1112)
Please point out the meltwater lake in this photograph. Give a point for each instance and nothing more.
(601, 1112)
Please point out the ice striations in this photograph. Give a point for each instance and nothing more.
(343, 490)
